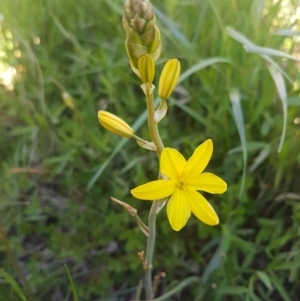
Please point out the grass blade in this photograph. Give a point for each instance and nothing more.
(279, 82)
(279, 287)
(173, 28)
(72, 284)
(250, 45)
(13, 283)
(189, 111)
(201, 65)
(239, 121)
(68, 35)
(272, 62)
(178, 288)
(286, 32)
(265, 279)
(269, 51)
(238, 36)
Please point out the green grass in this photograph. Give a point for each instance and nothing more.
(58, 212)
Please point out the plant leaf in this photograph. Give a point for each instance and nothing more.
(265, 279)
(279, 287)
(286, 32)
(279, 82)
(72, 284)
(249, 44)
(239, 121)
(201, 65)
(269, 51)
(13, 283)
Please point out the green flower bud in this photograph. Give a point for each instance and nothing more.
(114, 124)
(168, 78)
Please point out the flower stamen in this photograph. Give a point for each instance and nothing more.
(182, 180)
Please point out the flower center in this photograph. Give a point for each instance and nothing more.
(181, 180)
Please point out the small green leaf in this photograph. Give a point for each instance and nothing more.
(265, 279)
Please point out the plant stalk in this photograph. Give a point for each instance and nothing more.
(153, 129)
(152, 125)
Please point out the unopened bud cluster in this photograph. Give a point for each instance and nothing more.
(143, 46)
(143, 36)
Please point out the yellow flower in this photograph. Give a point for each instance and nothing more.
(184, 179)
(115, 124)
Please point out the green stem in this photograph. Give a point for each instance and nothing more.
(150, 250)
(153, 129)
(152, 125)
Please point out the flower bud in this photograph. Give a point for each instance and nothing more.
(146, 68)
(115, 124)
(168, 78)
(68, 100)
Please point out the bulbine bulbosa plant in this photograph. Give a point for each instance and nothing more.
(179, 179)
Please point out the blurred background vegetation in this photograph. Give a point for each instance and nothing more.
(60, 62)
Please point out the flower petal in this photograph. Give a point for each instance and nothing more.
(154, 190)
(202, 208)
(207, 182)
(172, 163)
(178, 209)
(199, 160)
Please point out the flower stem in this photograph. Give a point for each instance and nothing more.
(153, 129)
(152, 125)
(150, 249)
